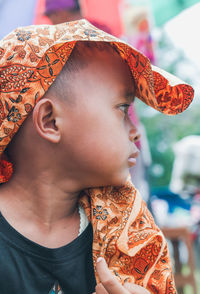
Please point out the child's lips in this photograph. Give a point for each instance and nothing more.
(132, 158)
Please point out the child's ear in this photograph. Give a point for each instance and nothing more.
(44, 120)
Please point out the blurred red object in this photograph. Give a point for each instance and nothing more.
(40, 17)
(104, 13)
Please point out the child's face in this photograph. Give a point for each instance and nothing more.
(97, 133)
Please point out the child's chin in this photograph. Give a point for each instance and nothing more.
(116, 180)
(120, 180)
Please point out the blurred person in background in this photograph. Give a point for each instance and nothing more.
(60, 11)
(56, 11)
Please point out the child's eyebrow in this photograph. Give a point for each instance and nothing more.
(130, 96)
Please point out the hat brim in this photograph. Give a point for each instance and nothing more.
(154, 86)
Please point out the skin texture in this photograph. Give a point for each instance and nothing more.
(63, 148)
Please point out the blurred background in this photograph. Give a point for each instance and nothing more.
(168, 169)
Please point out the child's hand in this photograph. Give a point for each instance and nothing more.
(110, 285)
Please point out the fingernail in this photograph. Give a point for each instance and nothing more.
(99, 259)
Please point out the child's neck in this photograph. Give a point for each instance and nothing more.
(41, 210)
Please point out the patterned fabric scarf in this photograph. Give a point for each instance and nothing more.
(124, 231)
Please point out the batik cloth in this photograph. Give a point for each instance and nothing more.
(30, 60)
(124, 233)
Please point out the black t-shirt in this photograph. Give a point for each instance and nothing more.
(28, 268)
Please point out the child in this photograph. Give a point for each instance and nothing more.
(66, 199)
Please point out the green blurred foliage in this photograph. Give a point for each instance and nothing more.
(162, 132)
(164, 10)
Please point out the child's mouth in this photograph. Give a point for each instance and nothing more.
(132, 159)
(131, 162)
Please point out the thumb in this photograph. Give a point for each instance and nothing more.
(109, 282)
(135, 289)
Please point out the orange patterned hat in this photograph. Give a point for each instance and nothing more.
(32, 57)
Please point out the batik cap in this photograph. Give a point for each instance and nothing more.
(32, 57)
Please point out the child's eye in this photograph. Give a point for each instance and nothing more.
(124, 108)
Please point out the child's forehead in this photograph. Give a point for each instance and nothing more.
(106, 74)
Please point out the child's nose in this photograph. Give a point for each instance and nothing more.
(134, 134)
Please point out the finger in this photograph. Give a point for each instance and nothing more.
(135, 289)
(110, 283)
(100, 289)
